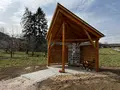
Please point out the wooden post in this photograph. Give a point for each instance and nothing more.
(97, 55)
(49, 42)
(63, 47)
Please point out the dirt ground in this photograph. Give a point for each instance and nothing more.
(106, 79)
(12, 72)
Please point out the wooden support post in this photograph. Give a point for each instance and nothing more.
(97, 55)
(49, 42)
(91, 41)
(63, 47)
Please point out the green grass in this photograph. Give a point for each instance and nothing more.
(21, 59)
(109, 57)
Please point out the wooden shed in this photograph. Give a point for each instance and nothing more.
(70, 39)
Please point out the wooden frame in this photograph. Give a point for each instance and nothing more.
(80, 31)
(97, 55)
(61, 9)
(90, 39)
(71, 40)
(49, 42)
(63, 47)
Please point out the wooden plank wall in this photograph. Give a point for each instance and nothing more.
(87, 53)
(56, 54)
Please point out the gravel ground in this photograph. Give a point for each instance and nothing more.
(18, 83)
(106, 79)
(80, 82)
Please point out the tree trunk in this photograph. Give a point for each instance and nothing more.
(11, 54)
(6, 50)
(27, 45)
(27, 51)
(32, 53)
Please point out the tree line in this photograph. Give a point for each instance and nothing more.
(34, 29)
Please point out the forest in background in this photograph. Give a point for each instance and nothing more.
(34, 29)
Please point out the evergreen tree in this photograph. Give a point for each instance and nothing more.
(27, 27)
(41, 25)
(35, 29)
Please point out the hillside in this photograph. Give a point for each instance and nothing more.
(4, 36)
(4, 40)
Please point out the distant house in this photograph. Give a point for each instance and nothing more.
(108, 45)
(114, 45)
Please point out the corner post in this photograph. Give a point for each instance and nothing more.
(49, 42)
(97, 55)
(63, 47)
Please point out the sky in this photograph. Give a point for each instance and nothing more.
(104, 15)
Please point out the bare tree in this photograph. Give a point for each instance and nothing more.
(12, 43)
(2, 29)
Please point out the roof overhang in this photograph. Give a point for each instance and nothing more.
(60, 15)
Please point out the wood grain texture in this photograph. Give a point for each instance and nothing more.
(63, 47)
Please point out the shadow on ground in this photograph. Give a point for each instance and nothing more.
(113, 70)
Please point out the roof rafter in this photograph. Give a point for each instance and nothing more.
(78, 22)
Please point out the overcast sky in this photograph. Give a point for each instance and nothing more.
(104, 15)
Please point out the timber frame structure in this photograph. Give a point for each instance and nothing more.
(66, 27)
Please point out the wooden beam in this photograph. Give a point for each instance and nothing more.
(58, 31)
(91, 41)
(77, 34)
(63, 47)
(77, 21)
(67, 40)
(76, 39)
(52, 22)
(97, 55)
(49, 42)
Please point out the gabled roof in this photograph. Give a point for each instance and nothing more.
(60, 10)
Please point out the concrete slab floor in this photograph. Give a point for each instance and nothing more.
(52, 71)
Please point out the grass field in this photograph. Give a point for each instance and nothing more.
(108, 57)
(13, 67)
(21, 59)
